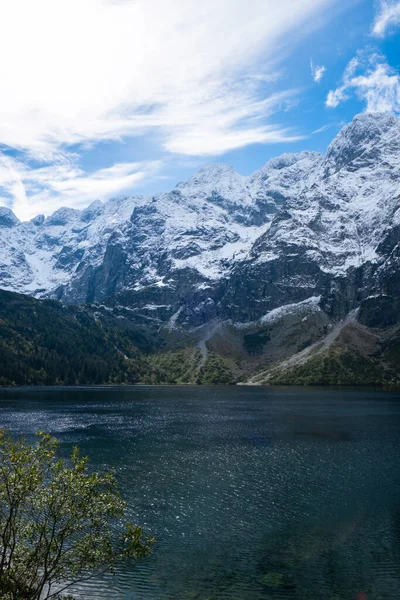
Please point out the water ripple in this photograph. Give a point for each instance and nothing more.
(252, 493)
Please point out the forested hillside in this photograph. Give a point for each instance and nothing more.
(43, 342)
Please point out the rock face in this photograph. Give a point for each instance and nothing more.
(226, 246)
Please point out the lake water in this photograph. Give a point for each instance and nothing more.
(253, 493)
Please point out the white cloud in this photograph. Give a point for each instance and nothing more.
(335, 97)
(323, 128)
(372, 80)
(387, 18)
(76, 71)
(223, 127)
(199, 77)
(47, 188)
(317, 72)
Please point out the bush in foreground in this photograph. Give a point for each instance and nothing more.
(57, 521)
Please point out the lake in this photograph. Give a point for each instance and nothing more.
(253, 493)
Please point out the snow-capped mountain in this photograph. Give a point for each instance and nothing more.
(228, 246)
(338, 235)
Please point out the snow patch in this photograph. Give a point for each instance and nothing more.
(309, 305)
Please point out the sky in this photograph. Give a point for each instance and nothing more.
(102, 98)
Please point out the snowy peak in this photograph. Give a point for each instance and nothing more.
(287, 160)
(38, 220)
(62, 217)
(345, 202)
(211, 174)
(282, 179)
(366, 137)
(7, 218)
(216, 180)
(92, 211)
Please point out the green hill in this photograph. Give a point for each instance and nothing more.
(47, 343)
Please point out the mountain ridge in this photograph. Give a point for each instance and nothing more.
(225, 252)
(207, 227)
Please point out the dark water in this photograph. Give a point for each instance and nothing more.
(253, 493)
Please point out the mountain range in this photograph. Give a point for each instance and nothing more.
(289, 275)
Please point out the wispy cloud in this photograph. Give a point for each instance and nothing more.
(335, 97)
(388, 17)
(371, 79)
(323, 128)
(317, 71)
(47, 188)
(101, 69)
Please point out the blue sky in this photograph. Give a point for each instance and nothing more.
(114, 97)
